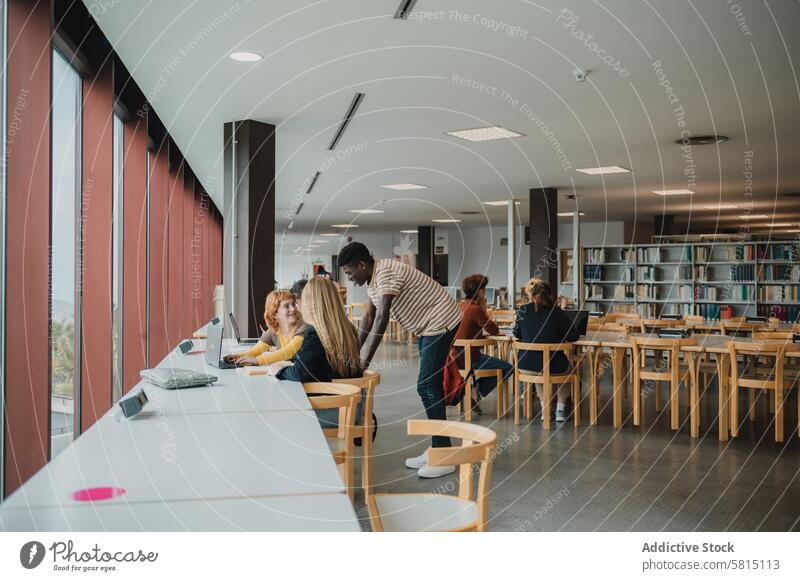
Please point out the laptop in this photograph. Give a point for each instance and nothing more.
(580, 319)
(214, 348)
(239, 339)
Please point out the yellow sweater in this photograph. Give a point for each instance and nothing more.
(287, 349)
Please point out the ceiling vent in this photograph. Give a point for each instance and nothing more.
(351, 111)
(470, 213)
(299, 207)
(313, 183)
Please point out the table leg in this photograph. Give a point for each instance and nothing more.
(617, 356)
(694, 394)
(725, 414)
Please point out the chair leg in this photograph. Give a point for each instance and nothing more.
(694, 402)
(778, 414)
(501, 393)
(546, 397)
(674, 403)
(734, 405)
(576, 400)
(529, 401)
(658, 395)
(751, 394)
(366, 461)
(637, 400)
(515, 389)
(468, 401)
(594, 359)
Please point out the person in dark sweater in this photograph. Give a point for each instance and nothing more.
(540, 321)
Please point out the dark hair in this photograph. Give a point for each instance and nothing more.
(473, 284)
(354, 253)
(297, 288)
(541, 296)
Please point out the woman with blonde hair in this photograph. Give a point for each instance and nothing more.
(284, 335)
(330, 348)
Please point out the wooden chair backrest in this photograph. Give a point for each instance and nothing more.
(336, 396)
(787, 335)
(760, 349)
(614, 328)
(693, 318)
(468, 344)
(641, 344)
(367, 384)
(477, 447)
(546, 349)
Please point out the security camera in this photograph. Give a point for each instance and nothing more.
(579, 76)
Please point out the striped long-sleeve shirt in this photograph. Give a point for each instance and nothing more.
(421, 304)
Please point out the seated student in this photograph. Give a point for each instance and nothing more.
(297, 291)
(330, 347)
(284, 335)
(539, 321)
(475, 322)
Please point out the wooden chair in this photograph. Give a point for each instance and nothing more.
(614, 317)
(772, 380)
(693, 318)
(340, 439)
(367, 384)
(467, 345)
(443, 512)
(573, 376)
(673, 374)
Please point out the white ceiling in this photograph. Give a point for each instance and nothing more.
(732, 81)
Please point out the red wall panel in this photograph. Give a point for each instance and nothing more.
(175, 257)
(187, 298)
(98, 175)
(27, 405)
(160, 343)
(134, 250)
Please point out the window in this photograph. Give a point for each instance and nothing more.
(65, 204)
(116, 272)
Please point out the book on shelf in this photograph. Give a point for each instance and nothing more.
(782, 293)
(783, 251)
(743, 272)
(778, 273)
(786, 313)
(592, 272)
(648, 254)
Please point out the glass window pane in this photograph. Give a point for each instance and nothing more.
(116, 275)
(65, 198)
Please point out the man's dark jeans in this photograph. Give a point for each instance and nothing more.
(430, 384)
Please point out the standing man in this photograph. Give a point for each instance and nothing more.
(421, 306)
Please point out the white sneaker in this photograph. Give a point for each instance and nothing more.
(561, 415)
(435, 471)
(418, 462)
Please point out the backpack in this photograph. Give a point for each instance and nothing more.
(453, 382)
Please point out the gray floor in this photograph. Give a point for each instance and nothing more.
(646, 478)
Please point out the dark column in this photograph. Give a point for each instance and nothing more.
(425, 253)
(249, 214)
(544, 235)
(663, 224)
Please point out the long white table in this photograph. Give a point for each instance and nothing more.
(249, 449)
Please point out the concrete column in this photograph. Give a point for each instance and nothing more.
(425, 239)
(249, 213)
(544, 235)
(512, 254)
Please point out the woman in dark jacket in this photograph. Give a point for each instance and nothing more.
(540, 321)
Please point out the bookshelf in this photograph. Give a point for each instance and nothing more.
(712, 279)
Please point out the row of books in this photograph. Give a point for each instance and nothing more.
(743, 272)
(650, 273)
(779, 252)
(654, 311)
(709, 311)
(652, 291)
(788, 313)
(783, 293)
(722, 253)
(602, 255)
(592, 272)
(734, 292)
(648, 254)
(598, 291)
(779, 273)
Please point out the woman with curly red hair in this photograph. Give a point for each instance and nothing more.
(284, 336)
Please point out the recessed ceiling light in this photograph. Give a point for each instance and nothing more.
(367, 211)
(321, 241)
(484, 133)
(298, 249)
(408, 231)
(344, 225)
(753, 216)
(792, 231)
(246, 57)
(594, 171)
(672, 192)
(779, 225)
(499, 203)
(447, 221)
(720, 206)
(405, 187)
(330, 234)
(569, 214)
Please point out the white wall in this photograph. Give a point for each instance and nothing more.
(471, 251)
